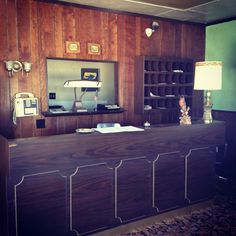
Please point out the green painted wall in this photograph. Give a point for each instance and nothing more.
(221, 45)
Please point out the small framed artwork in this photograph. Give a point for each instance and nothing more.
(72, 47)
(94, 49)
(91, 74)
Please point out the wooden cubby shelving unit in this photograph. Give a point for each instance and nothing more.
(160, 83)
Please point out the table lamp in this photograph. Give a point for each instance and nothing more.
(77, 104)
(208, 76)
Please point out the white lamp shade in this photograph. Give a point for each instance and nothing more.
(208, 75)
(82, 84)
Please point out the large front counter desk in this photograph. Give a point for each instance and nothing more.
(79, 184)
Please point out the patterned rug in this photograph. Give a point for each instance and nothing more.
(219, 219)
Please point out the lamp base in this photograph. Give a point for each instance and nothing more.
(78, 106)
(207, 116)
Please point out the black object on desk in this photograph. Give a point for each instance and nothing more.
(107, 107)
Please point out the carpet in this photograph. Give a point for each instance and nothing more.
(218, 219)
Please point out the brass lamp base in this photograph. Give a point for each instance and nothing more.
(207, 116)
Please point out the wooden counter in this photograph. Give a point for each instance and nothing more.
(77, 184)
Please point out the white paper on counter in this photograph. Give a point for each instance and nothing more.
(107, 130)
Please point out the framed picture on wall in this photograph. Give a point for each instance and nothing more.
(72, 47)
(94, 49)
(91, 74)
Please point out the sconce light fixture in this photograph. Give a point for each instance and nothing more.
(16, 66)
(151, 30)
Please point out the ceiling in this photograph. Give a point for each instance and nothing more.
(198, 11)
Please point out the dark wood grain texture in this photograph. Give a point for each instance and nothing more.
(97, 210)
(74, 149)
(87, 183)
(40, 30)
(134, 188)
(40, 205)
(169, 184)
(200, 174)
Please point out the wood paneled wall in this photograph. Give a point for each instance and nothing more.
(32, 31)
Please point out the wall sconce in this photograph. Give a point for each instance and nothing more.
(16, 66)
(151, 30)
(208, 76)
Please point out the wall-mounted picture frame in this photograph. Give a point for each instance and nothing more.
(94, 49)
(72, 47)
(91, 74)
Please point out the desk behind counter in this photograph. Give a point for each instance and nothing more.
(77, 184)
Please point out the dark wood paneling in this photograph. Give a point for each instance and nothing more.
(40, 30)
(134, 188)
(4, 158)
(169, 181)
(7, 10)
(200, 169)
(62, 148)
(92, 197)
(105, 179)
(39, 208)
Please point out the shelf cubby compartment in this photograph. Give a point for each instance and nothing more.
(175, 90)
(169, 78)
(154, 78)
(182, 78)
(161, 91)
(147, 79)
(189, 78)
(175, 66)
(169, 91)
(183, 67)
(175, 78)
(161, 104)
(162, 78)
(182, 91)
(148, 66)
(147, 90)
(155, 65)
(161, 82)
(190, 67)
(189, 90)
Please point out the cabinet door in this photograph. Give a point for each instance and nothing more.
(39, 205)
(200, 169)
(169, 181)
(92, 198)
(133, 189)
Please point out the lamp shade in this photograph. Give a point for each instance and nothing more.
(208, 75)
(82, 84)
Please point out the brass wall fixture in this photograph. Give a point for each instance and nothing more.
(149, 31)
(17, 66)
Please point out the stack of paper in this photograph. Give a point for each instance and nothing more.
(107, 130)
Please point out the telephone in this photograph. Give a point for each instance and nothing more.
(24, 104)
